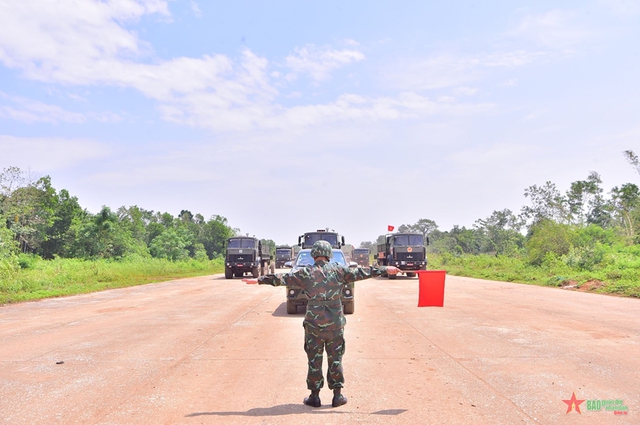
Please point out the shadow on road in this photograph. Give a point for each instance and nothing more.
(293, 409)
(281, 311)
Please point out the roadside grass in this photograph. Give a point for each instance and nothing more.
(38, 279)
(617, 274)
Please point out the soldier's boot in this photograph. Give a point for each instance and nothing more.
(338, 398)
(314, 399)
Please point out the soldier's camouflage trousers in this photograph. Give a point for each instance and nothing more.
(315, 342)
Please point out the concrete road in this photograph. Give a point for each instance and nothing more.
(215, 351)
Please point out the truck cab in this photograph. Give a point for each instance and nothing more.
(284, 254)
(406, 251)
(361, 256)
(307, 240)
(244, 254)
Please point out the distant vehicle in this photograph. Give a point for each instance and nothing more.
(284, 253)
(245, 254)
(307, 240)
(361, 256)
(296, 297)
(347, 249)
(406, 251)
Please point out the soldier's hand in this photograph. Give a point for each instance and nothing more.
(250, 281)
(393, 270)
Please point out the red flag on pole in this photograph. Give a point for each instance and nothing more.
(390, 228)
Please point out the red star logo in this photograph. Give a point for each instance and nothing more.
(572, 402)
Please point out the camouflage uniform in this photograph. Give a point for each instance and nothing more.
(324, 320)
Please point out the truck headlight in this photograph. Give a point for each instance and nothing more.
(291, 291)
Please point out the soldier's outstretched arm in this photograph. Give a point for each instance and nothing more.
(280, 279)
(361, 273)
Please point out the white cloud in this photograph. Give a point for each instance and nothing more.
(443, 71)
(318, 63)
(66, 40)
(32, 111)
(87, 45)
(46, 154)
(557, 30)
(195, 8)
(465, 91)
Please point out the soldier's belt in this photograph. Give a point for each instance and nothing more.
(327, 303)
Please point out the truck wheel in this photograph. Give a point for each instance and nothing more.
(349, 307)
(411, 275)
(291, 307)
(255, 272)
(228, 273)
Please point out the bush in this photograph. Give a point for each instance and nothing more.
(585, 257)
(548, 237)
(27, 261)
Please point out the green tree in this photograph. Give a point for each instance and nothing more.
(135, 220)
(632, 158)
(28, 209)
(369, 245)
(546, 204)
(500, 233)
(103, 236)
(548, 237)
(171, 244)
(626, 203)
(59, 236)
(214, 234)
(584, 199)
(467, 241)
(8, 250)
(270, 244)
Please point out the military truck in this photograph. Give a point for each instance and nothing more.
(307, 240)
(406, 251)
(347, 249)
(361, 256)
(246, 254)
(284, 253)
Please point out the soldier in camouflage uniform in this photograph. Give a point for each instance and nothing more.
(324, 320)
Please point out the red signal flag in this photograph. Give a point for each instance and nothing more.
(390, 228)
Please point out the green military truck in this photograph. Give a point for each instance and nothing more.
(284, 254)
(361, 256)
(246, 254)
(307, 240)
(406, 251)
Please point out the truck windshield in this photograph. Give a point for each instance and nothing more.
(405, 240)
(242, 243)
(305, 259)
(312, 238)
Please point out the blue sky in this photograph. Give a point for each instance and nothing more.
(289, 116)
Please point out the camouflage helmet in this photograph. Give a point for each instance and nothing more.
(321, 249)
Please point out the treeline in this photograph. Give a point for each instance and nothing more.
(581, 227)
(37, 219)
